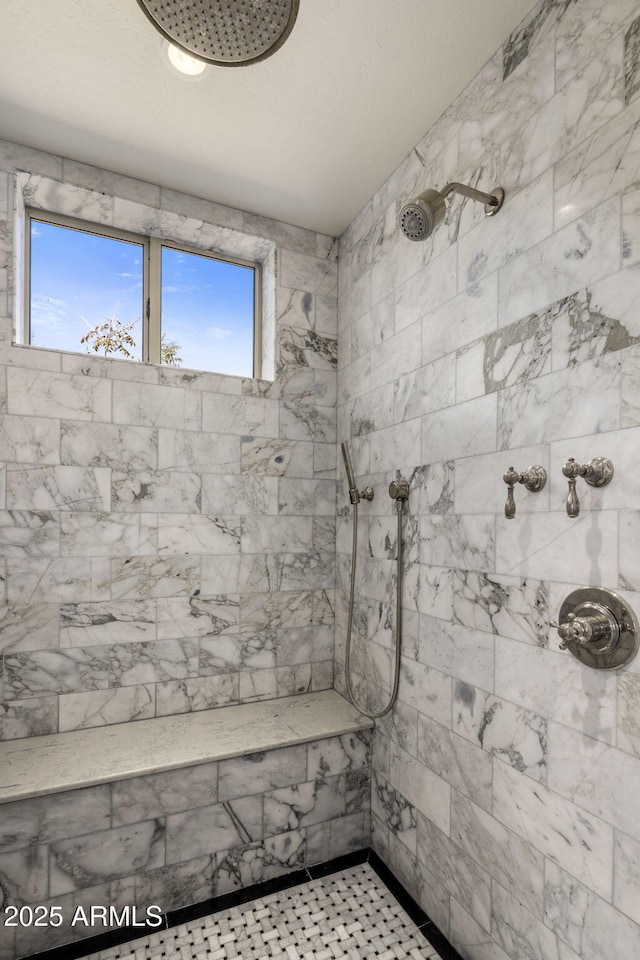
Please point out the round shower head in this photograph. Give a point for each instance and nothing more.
(420, 217)
(229, 33)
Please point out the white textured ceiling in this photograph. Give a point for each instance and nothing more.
(306, 136)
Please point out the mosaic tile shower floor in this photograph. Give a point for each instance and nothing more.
(349, 915)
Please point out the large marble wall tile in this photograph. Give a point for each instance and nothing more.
(199, 452)
(598, 168)
(472, 941)
(596, 777)
(562, 832)
(392, 809)
(586, 922)
(26, 823)
(58, 488)
(79, 711)
(626, 876)
(191, 533)
(463, 765)
(520, 933)
(148, 798)
(280, 534)
(34, 717)
(30, 439)
(152, 662)
(567, 403)
(534, 545)
(36, 393)
(426, 689)
(24, 875)
(629, 713)
(260, 772)
(323, 841)
(506, 857)
(178, 884)
(461, 430)
(631, 225)
(106, 444)
(139, 578)
(246, 651)
(197, 616)
(582, 252)
(92, 624)
(276, 458)
(29, 533)
(152, 405)
(45, 672)
(195, 693)
(455, 870)
(426, 791)
(108, 534)
(514, 735)
(524, 221)
(466, 542)
(457, 651)
(152, 492)
(508, 606)
(425, 390)
(557, 687)
(106, 855)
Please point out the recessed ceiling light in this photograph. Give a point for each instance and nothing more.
(183, 62)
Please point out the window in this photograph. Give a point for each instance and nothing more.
(117, 294)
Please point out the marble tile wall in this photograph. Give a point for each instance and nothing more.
(506, 778)
(167, 536)
(179, 837)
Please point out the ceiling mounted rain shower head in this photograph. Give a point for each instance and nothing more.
(420, 217)
(228, 33)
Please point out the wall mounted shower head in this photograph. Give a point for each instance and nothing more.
(420, 217)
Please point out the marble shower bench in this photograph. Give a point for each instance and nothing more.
(174, 810)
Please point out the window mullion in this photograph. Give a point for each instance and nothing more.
(152, 302)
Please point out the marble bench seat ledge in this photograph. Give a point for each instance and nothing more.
(39, 766)
(176, 810)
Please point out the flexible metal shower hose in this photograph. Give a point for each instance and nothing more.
(347, 656)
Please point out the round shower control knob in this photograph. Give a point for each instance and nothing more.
(597, 627)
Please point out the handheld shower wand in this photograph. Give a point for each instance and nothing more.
(354, 495)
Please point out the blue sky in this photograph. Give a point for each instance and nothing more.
(79, 280)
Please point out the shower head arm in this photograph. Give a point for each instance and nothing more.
(472, 193)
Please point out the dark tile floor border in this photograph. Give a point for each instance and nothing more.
(114, 938)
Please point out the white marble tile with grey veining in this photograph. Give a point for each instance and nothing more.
(276, 534)
(146, 577)
(395, 811)
(149, 491)
(30, 439)
(95, 624)
(152, 405)
(457, 651)
(58, 488)
(243, 652)
(44, 672)
(632, 61)
(197, 616)
(192, 533)
(195, 693)
(40, 393)
(29, 533)
(508, 858)
(108, 445)
(586, 922)
(64, 580)
(108, 534)
(564, 833)
(556, 686)
(277, 458)
(199, 452)
(29, 626)
(510, 607)
(457, 761)
(306, 421)
(514, 735)
(152, 661)
(34, 717)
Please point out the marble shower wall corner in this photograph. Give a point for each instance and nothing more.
(168, 535)
(506, 777)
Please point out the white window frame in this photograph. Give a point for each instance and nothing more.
(151, 280)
